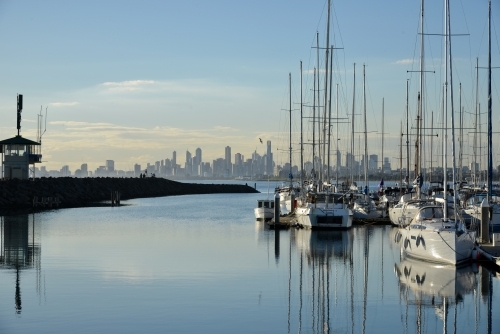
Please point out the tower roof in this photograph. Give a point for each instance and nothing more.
(18, 140)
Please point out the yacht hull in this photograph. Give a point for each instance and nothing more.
(311, 216)
(441, 246)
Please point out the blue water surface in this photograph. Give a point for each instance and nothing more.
(203, 264)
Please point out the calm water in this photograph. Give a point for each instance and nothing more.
(202, 264)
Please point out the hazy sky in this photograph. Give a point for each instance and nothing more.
(133, 81)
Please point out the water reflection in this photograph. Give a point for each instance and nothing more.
(321, 271)
(442, 290)
(19, 249)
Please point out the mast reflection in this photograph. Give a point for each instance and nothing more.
(19, 249)
(322, 254)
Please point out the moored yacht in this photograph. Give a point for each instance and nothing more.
(324, 210)
(433, 237)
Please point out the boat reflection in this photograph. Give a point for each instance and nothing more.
(434, 284)
(321, 245)
(436, 287)
(20, 249)
(325, 267)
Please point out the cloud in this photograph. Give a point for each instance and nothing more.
(404, 62)
(63, 104)
(225, 129)
(128, 86)
(178, 89)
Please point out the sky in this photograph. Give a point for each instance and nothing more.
(133, 81)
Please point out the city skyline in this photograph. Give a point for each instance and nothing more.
(144, 78)
(258, 166)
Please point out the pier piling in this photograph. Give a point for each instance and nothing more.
(485, 221)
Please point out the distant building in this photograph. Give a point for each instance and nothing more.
(387, 165)
(269, 159)
(137, 170)
(84, 169)
(229, 166)
(65, 171)
(110, 167)
(373, 162)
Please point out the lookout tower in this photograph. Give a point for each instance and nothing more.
(18, 152)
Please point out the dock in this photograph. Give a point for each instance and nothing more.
(290, 220)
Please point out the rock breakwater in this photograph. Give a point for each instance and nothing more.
(70, 192)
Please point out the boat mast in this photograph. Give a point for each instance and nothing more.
(490, 157)
(337, 153)
(418, 162)
(401, 160)
(314, 123)
(330, 115)
(452, 117)
(407, 141)
(301, 130)
(475, 123)
(352, 124)
(382, 138)
(290, 112)
(445, 112)
(327, 50)
(366, 139)
(432, 137)
(320, 162)
(460, 145)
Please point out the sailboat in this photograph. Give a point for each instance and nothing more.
(288, 192)
(434, 235)
(473, 203)
(364, 207)
(408, 206)
(322, 208)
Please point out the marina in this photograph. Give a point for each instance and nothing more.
(158, 265)
(299, 227)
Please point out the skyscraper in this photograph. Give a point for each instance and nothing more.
(110, 167)
(84, 170)
(269, 159)
(229, 165)
(199, 163)
(188, 166)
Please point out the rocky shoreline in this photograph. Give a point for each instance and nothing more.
(67, 192)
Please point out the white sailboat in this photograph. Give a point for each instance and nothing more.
(322, 208)
(473, 203)
(433, 235)
(290, 191)
(364, 207)
(410, 203)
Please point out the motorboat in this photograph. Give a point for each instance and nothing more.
(264, 209)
